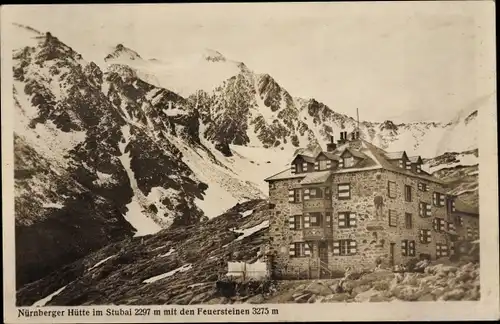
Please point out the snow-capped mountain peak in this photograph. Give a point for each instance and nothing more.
(213, 56)
(121, 52)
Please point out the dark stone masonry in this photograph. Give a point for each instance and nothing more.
(357, 206)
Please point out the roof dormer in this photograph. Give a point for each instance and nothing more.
(350, 158)
(302, 164)
(326, 161)
(416, 163)
(399, 159)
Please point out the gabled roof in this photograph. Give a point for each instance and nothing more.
(395, 155)
(329, 155)
(285, 174)
(415, 159)
(354, 153)
(308, 159)
(373, 158)
(316, 177)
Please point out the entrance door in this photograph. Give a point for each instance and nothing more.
(392, 254)
(323, 257)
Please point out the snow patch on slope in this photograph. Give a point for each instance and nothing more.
(42, 302)
(135, 216)
(184, 268)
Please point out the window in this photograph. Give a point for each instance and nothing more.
(393, 218)
(344, 191)
(299, 249)
(348, 162)
(347, 220)
(328, 193)
(315, 219)
(391, 189)
(469, 233)
(408, 220)
(344, 247)
(295, 222)
(439, 224)
(450, 205)
(328, 219)
(451, 227)
(441, 250)
(272, 185)
(459, 221)
(408, 193)
(422, 186)
(475, 234)
(294, 195)
(425, 236)
(408, 165)
(323, 165)
(407, 248)
(424, 209)
(438, 199)
(316, 193)
(418, 168)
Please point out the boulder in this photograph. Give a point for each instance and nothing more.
(303, 298)
(318, 288)
(336, 298)
(455, 294)
(427, 297)
(257, 299)
(200, 298)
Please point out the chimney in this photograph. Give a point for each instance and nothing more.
(330, 147)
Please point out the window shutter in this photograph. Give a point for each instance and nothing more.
(442, 224)
(328, 164)
(412, 248)
(428, 210)
(352, 247)
(291, 249)
(304, 166)
(451, 227)
(342, 220)
(293, 168)
(444, 249)
(435, 224)
(441, 200)
(336, 248)
(344, 190)
(404, 247)
(341, 163)
(352, 219)
(307, 249)
(291, 195)
(306, 194)
(316, 165)
(291, 222)
(306, 220)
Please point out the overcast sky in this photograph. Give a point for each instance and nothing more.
(402, 61)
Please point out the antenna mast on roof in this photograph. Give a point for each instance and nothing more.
(357, 115)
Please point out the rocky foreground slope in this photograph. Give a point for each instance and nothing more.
(186, 265)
